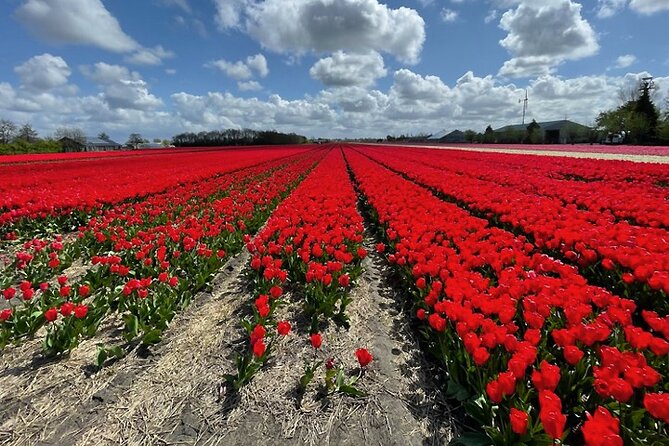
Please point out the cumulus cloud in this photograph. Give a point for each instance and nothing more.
(342, 69)
(85, 22)
(242, 70)
(121, 88)
(625, 61)
(249, 86)
(413, 87)
(43, 72)
(226, 110)
(528, 66)
(545, 33)
(258, 63)
(360, 26)
(229, 13)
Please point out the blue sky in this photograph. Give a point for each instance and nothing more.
(322, 67)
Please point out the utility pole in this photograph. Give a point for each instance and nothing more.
(524, 101)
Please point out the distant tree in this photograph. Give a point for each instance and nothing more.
(489, 135)
(135, 139)
(7, 130)
(73, 133)
(166, 142)
(647, 111)
(27, 133)
(157, 140)
(639, 118)
(103, 136)
(470, 136)
(533, 134)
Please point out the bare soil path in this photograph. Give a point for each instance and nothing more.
(173, 394)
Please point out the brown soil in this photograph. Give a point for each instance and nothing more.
(174, 394)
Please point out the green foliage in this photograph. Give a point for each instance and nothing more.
(639, 118)
(337, 381)
(489, 135)
(533, 135)
(470, 136)
(236, 137)
(20, 146)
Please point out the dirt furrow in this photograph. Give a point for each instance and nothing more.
(43, 403)
(401, 408)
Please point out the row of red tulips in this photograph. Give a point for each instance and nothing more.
(629, 259)
(312, 246)
(626, 190)
(74, 188)
(148, 258)
(535, 353)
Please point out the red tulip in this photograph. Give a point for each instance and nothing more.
(283, 328)
(364, 357)
(519, 420)
(316, 340)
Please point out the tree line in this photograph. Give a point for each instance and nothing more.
(15, 139)
(638, 119)
(236, 137)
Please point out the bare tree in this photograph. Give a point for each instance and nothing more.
(7, 130)
(27, 133)
(135, 139)
(73, 133)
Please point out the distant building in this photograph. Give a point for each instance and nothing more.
(90, 144)
(150, 145)
(552, 132)
(450, 137)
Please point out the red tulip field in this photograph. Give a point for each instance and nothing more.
(333, 294)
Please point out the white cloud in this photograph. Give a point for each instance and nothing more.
(225, 110)
(258, 63)
(528, 66)
(625, 60)
(359, 26)
(150, 56)
(609, 8)
(170, 71)
(249, 86)
(342, 69)
(649, 6)
(121, 88)
(104, 73)
(229, 13)
(236, 70)
(448, 15)
(85, 22)
(242, 70)
(43, 72)
(545, 33)
(412, 87)
(492, 16)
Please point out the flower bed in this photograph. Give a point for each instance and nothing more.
(147, 259)
(535, 354)
(313, 244)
